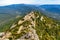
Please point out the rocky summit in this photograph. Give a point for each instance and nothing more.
(33, 26)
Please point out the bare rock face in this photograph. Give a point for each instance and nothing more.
(33, 26)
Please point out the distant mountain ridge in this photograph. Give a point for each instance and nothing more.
(22, 9)
(51, 11)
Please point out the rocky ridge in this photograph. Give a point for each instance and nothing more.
(33, 26)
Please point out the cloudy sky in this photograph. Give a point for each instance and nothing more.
(9, 2)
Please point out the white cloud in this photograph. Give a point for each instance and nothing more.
(48, 2)
(8, 2)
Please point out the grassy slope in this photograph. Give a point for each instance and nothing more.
(47, 32)
(6, 21)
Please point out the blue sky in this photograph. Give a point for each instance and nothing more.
(39, 2)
